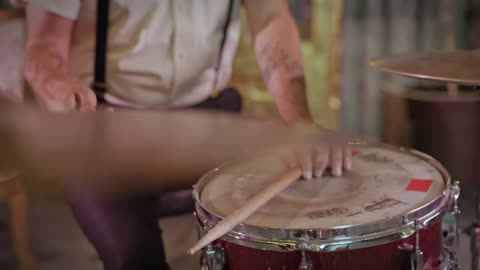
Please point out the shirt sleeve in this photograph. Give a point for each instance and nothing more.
(66, 8)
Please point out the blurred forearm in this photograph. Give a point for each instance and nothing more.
(151, 150)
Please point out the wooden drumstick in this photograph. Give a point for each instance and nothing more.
(247, 209)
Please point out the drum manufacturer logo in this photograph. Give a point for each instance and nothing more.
(337, 211)
(382, 203)
(378, 204)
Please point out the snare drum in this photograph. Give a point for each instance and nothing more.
(384, 214)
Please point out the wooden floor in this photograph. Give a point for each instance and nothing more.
(59, 244)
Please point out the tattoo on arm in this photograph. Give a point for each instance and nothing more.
(43, 62)
(291, 97)
(297, 95)
(273, 57)
(298, 82)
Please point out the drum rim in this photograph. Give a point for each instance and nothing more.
(335, 238)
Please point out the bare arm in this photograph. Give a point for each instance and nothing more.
(46, 62)
(277, 46)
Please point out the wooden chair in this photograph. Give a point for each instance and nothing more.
(13, 193)
(12, 190)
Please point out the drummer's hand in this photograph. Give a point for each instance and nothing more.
(64, 96)
(314, 158)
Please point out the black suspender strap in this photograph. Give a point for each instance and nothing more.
(227, 24)
(231, 6)
(99, 84)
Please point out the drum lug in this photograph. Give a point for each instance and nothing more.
(451, 222)
(305, 264)
(456, 215)
(456, 195)
(213, 258)
(416, 258)
(213, 255)
(202, 225)
(453, 233)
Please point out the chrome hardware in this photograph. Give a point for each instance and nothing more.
(452, 236)
(474, 232)
(450, 261)
(416, 258)
(456, 237)
(199, 225)
(475, 246)
(213, 258)
(456, 215)
(456, 195)
(202, 225)
(304, 263)
(451, 222)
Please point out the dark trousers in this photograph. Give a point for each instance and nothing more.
(125, 232)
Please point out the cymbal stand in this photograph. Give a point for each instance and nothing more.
(474, 232)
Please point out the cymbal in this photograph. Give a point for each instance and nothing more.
(461, 67)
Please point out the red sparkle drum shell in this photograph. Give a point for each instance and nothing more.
(368, 224)
(386, 256)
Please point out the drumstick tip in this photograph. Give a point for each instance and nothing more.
(203, 242)
(192, 251)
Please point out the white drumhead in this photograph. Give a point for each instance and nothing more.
(384, 183)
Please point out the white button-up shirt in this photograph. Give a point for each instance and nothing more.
(161, 53)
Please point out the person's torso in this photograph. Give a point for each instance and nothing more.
(160, 53)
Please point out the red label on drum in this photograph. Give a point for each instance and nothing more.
(420, 185)
(355, 153)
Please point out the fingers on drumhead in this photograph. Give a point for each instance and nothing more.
(304, 160)
(347, 157)
(336, 159)
(320, 160)
(315, 158)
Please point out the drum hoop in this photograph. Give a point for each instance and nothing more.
(335, 238)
